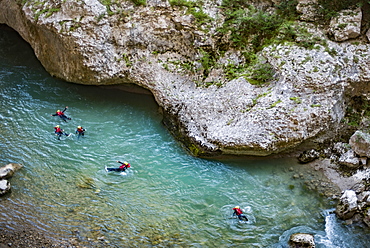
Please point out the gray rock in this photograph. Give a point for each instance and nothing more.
(347, 25)
(349, 159)
(4, 186)
(304, 103)
(360, 143)
(8, 170)
(308, 156)
(340, 148)
(302, 240)
(308, 10)
(347, 205)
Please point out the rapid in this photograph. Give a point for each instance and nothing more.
(168, 198)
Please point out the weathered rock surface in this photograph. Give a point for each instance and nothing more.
(349, 159)
(347, 205)
(4, 186)
(360, 143)
(347, 25)
(89, 43)
(301, 240)
(8, 170)
(308, 9)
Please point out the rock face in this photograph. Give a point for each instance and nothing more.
(154, 46)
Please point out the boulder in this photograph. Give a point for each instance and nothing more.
(4, 187)
(8, 170)
(340, 148)
(308, 156)
(300, 240)
(347, 205)
(360, 143)
(349, 159)
(347, 25)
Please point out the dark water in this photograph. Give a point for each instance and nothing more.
(167, 199)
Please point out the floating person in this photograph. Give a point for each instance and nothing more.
(123, 167)
(62, 115)
(238, 212)
(80, 131)
(59, 132)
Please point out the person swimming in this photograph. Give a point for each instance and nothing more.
(59, 132)
(123, 167)
(62, 115)
(80, 131)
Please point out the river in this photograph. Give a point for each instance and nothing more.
(167, 198)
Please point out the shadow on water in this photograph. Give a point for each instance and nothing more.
(167, 198)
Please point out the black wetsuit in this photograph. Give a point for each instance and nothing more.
(62, 115)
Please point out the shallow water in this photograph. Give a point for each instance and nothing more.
(167, 199)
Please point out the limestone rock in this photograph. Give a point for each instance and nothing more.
(308, 156)
(347, 205)
(152, 45)
(347, 25)
(307, 9)
(302, 240)
(340, 148)
(4, 186)
(349, 159)
(360, 143)
(8, 170)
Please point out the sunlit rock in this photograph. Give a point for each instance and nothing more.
(308, 156)
(154, 46)
(302, 240)
(349, 159)
(360, 143)
(347, 25)
(4, 186)
(8, 170)
(347, 205)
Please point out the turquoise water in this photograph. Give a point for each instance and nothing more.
(167, 199)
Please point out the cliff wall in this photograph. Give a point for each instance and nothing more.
(167, 50)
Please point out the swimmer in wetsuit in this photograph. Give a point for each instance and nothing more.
(62, 115)
(238, 212)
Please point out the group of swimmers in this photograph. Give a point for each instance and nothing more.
(123, 165)
(81, 132)
(59, 132)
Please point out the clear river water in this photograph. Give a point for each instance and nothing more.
(168, 198)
